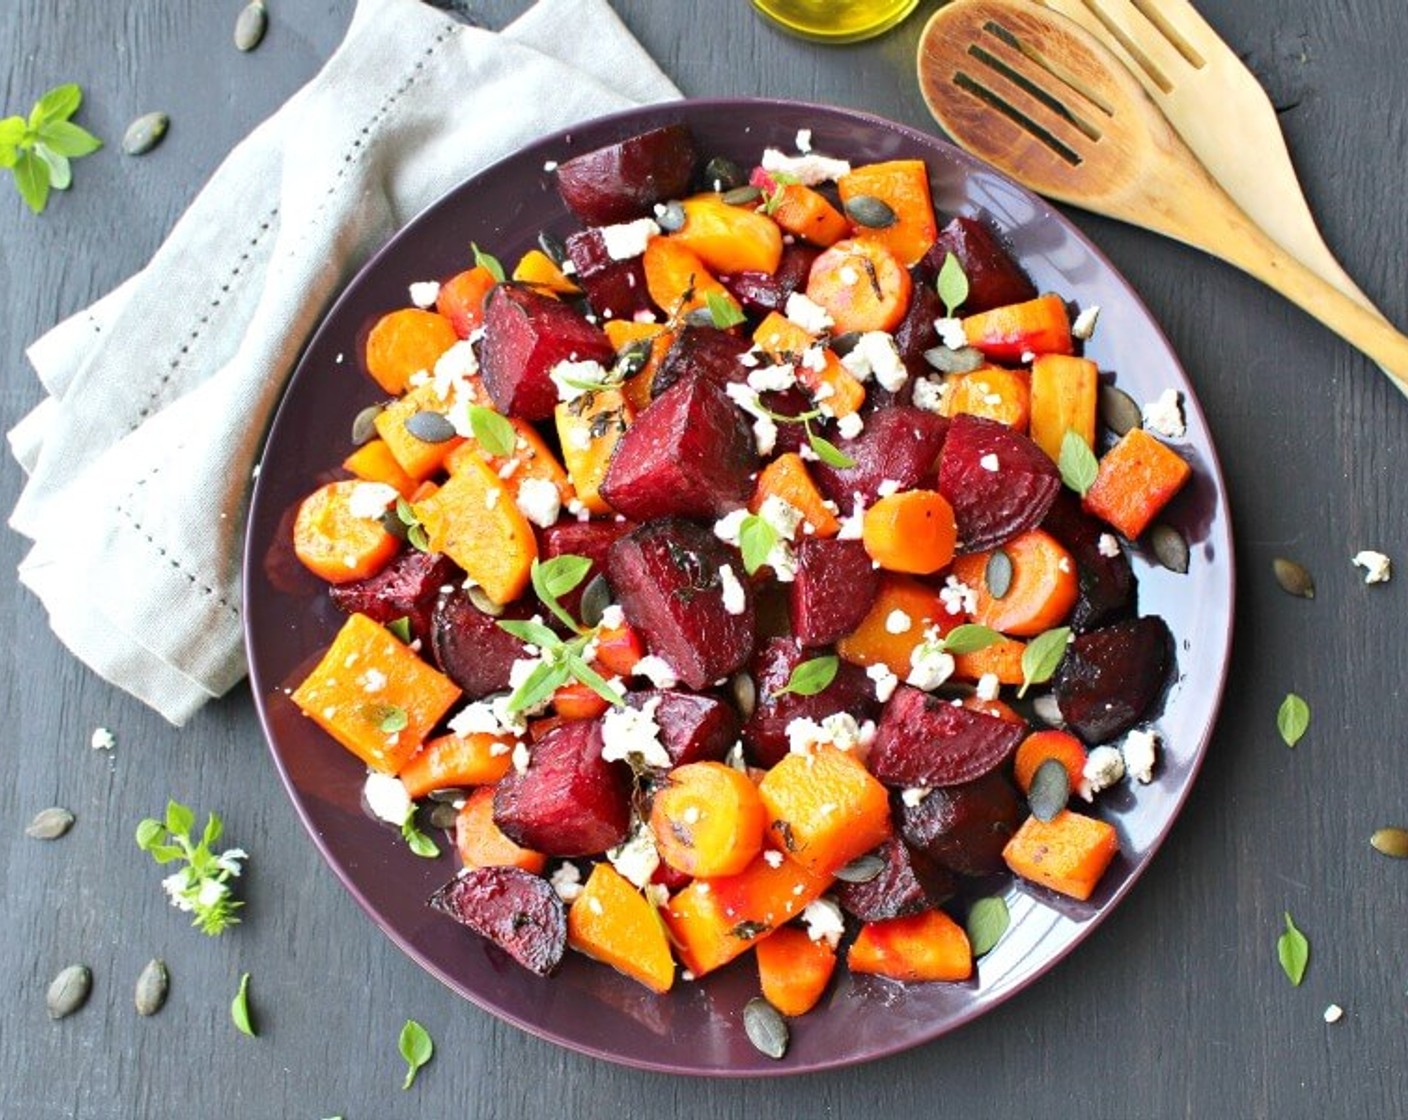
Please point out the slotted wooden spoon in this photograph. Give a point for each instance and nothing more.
(1039, 97)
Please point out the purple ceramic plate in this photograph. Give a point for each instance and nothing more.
(588, 1007)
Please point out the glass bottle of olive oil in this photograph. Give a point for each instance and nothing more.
(836, 21)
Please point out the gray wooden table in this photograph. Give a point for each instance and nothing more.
(1174, 1007)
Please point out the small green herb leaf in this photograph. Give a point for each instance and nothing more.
(541, 683)
(401, 627)
(58, 104)
(179, 819)
(969, 637)
(756, 540)
(487, 261)
(38, 150)
(811, 677)
(1041, 657)
(239, 1009)
(493, 431)
(393, 719)
(828, 452)
(405, 513)
(418, 538)
(148, 834)
(419, 843)
(723, 311)
(534, 633)
(416, 1048)
(60, 173)
(952, 284)
(1077, 463)
(988, 920)
(593, 680)
(1293, 951)
(555, 578)
(68, 139)
(1293, 719)
(32, 180)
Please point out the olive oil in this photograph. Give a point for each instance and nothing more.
(836, 21)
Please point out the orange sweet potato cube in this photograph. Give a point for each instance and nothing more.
(1138, 477)
(1068, 853)
(825, 808)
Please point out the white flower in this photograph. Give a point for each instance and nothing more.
(229, 860)
(176, 886)
(211, 892)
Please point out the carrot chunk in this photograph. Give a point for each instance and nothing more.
(794, 969)
(805, 213)
(925, 946)
(677, 280)
(1040, 593)
(334, 539)
(457, 762)
(708, 820)
(786, 477)
(1004, 334)
(903, 185)
(1041, 746)
(461, 299)
(537, 268)
(913, 531)
(903, 610)
(991, 392)
(862, 285)
(1002, 659)
(405, 342)
(373, 462)
(825, 807)
(1068, 853)
(612, 922)
(481, 843)
(1065, 394)
(1138, 477)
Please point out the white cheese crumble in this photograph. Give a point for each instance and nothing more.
(957, 597)
(632, 735)
(637, 858)
(824, 921)
(734, 759)
(424, 293)
(567, 882)
(102, 739)
(1104, 766)
(804, 140)
(810, 169)
(839, 730)
(875, 353)
(539, 501)
(775, 379)
(1378, 568)
(814, 359)
(898, 622)
(951, 333)
(764, 427)
(989, 462)
(988, 687)
(773, 858)
(628, 239)
(453, 369)
(853, 527)
(1084, 326)
(372, 681)
(929, 394)
(1140, 752)
(929, 665)
(885, 681)
(613, 617)
(570, 378)
(735, 602)
(1108, 545)
(1164, 414)
(914, 796)
(850, 426)
(656, 670)
(522, 757)
(727, 527)
(808, 314)
(782, 515)
(386, 797)
(1334, 1013)
(888, 487)
(479, 718)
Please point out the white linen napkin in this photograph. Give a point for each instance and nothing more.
(140, 459)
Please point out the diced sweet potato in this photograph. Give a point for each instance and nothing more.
(998, 394)
(624, 180)
(590, 428)
(1138, 477)
(615, 289)
(999, 482)
(825, 808)
(535, 267)
(927, 946)
(701, 352)
(765, 731)
(461, 299)
(729, 238)
(470, 647)
(611, 921)
(419, 458)
(908, 882)
(964, 827)
(794, 969)
(1106, 582)
(516, 910)
(807, 214)
(1004, 334)
(1068, 853)
(690, 454)
(694, 727)
(407, 587)
(926, 741)
(834, 589)
(525, 335)
(569, 801)
(1065, 393)
(903, 185)
(1110, 677)
(994, 278)
(876, 640)
(899, 444)
(373, 462)
(678, 281)
(666, 577)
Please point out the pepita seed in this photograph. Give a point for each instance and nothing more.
(1293, 578)
(1051, 789)
(699, 317)
(1118, 410)
(1170, 548)
(553, 246)
(49, 824)
(483, 603)
(745, 694)
(766, 1029)
(364, 425)
(448, 795)
(722, 174)
(443, 816)
(871, 212)
(145, 133)
(862, 869)
(671, 217)
(741, 196)
(998, 575)
(250, 25)
(843, 344)
(963, 360)
(1391, 842)
(69, 991)
(430, 427)
(152, 985)
(596, 597)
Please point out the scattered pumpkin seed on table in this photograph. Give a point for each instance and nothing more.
(1391, 842)
(153, 982)
(1293, 578)
(145, 133)
(49, 824)
(69, 991)
(250, 25)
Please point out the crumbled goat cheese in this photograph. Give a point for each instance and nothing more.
(810, 169)
(1378, 568)
(1140, 752)
(424, 293)
(774, 379)
(929, 394)
(478, 718)
(1104, 766)
(898, 622)
(102, 739)
(929, 665)
(386, 797)
(570, 376)
(773, 858)
(957, 597)
(839, 730)
(887, 487)
(1107, 545)
(628, 239)
(804, 140)
(989, 462)
(727, 527)
(372, 681)
(852, 527)
(613, 617)
(988, 687)
(885, 681)
(914, 796)
(951, 333)
(875, 353)
(764, 427)
(734, 759)
(1164, 415)
(1334, 1013)
(522, 757)
(782, 515)
(735, 602)
(631, 734)
(656, 670)
(849, 276)
(1084, 326)
(567, 882)
(637, 858)
(814, 359)
(808, 314)
(824, 921)
(539, 501)
(453, 369)
(1028, 357)
(850, 426)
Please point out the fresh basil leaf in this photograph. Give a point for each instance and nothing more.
(493, 431)
(828, 452)
(811, 677)
(419, 843)
(58, 104)
(1293, 951)
(179, 819)
(32, 180)
(988, 919)
(214, 827)
(952, 284)
(406, 513)
(417, 536)
(534, 633)
(1293, 719)
(542, 682)
(756, 540)
(1077, 463)
(594, 681)
(9, 155)
(11, 131)
(68, 139)
(556, 577)
(487, 261)
(393, 719)
(60, 173)
(416, 1048)
(1041, 657)
(723, 311)
(969, 637)
(401, 627)
(149, 834)
(239, 1009)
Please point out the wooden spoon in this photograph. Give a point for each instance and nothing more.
(1037, 96)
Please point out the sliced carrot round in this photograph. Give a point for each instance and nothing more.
(913, 531)
(461, 299)
(405, 342)
(708, 820)
(335, 541)
(1041, 746)
(862, 285)
(480, 841)
(1040, 592)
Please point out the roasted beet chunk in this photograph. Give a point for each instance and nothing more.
(406, 588)
(994, 278)
(693, 727)
(592, 539)
(925, 741)
(835, 586)
(666, 576)
(516, 910)
(901, 444)
(525, 335)
(615, 289)
(916, 333)
(761, 292)
(963, 828)
(1106, 582)
(908, 882)
(469, 646)
(570, 801)
(998, 481)
(1109, 677)
(765, 731)
(690, 454)
(701, 352)
(624, 180)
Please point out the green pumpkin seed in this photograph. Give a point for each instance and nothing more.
(766, 1029)
(1391, 842)
(862, 869)
(722, 174)
(741, 196)
(49, 824)
(596, 597)
(1051, 789)
(745, 694)
(250, 25)
(873, 213)
(1118, 410)
(843, 344)
(483, 603)
(69, 991)
(152, 985)
(448, 795)
(1169, 547)
(553, 246)
(699, 317)
(998, 575)
(443, 816)
(963, 360)
(430, 427)
(145, 133)
(364, 425)
(1293, 578)
(671, 217)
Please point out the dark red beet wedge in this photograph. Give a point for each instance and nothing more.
(693, 727)
(701, 352)
(908, 882)
(516, 910)
(615, 289)
(1106, 582)
(666, 577)
(915, 334)
(525, 335)
(625, 180)
(765, 731)
(406, 588)
(926, 741)
(470, 647)
(994, 278)
(835, 586)
(900, 444)
(570, 801)
(964, 828)
(592, 539)
(1110, 677)
(998, 481)
(760, 292)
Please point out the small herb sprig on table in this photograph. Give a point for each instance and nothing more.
(202, 886)
(38, 150)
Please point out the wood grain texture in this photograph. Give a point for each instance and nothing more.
(1174, 1007)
